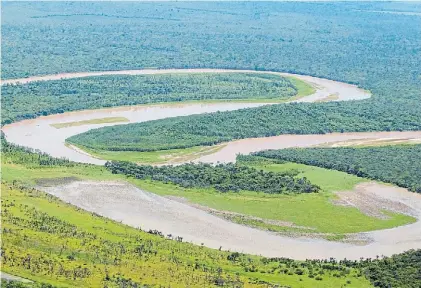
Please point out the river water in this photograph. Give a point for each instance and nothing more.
(196, 225)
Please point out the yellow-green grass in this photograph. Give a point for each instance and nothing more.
(90, 122)
(109, 249)
(329, 98)
(15, 172)
(303, 87)
(360, 143)
(171, 156)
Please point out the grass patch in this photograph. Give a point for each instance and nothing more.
(90, 122)
(13, 172)
(171, 156)
(313, 211)
(257, 223)
(304, 88)
(331, 97)
(328, 180)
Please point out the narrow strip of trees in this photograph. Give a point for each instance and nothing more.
(222, 177)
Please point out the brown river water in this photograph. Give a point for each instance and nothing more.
(131, 205)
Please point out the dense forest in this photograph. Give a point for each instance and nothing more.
(52, 97)
(222, 177)
(271, 120)
(400, 164)
(342, 41)
(377, 51)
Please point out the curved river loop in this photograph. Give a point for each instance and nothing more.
(139, 208)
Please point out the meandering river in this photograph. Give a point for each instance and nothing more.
(39, 134)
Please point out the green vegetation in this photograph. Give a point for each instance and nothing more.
(51, 97)
(89, 122)
(222, 177)
(213, 128)
(399, 164)
(22, 165)
(321, 215)
(401, 270)
(154, 157)
(67, 247)
(46, 240)
(377, 52)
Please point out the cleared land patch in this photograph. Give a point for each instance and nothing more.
(362, 198)
(90, 122)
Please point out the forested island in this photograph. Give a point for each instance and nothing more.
(272, 120)
(51, 97)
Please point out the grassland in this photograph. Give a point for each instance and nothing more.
(68, 247)
(314, 212)
(90, 122)
(397, 164)
(46, 240)
(303, 88)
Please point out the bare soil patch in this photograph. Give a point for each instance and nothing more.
(363, 198)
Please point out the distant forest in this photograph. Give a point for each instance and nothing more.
(400, 165)
(377, 51)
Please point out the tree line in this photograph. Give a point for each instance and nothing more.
(222, 177)
(397, 164)
(265, 121)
